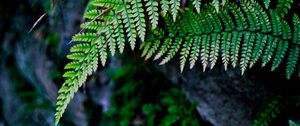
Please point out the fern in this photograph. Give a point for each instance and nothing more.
(240, 33)
(85, 61)
(197, 4)
(269, 112)
(175, 4)
(283, 7)
(152, 12)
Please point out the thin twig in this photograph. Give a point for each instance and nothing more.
(36, 22)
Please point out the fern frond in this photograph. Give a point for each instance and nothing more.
(116, 5)
(195, 51)
(164, 6)
(258, 48)
(129, 26)
(227, 20)
(139, 18)
(185, 51)
(175, 5)
(102, 46)
(267, 3)
(152, 12)
(216, 4)
(153, 49)
(251, 16)
(92, 14)
(93, 25)
(171, 53)
(164, 48)
(294, 52)
(276, 24)
(83, 47)
(118, 32)
(205, 51)
(283, 7)
(270, 111)
(214, 50)
(235, 47)
(279, 54)
(296, 34)
(146, 48)
(239, 17)
(263, 18)
(292, 61)
(110, 39)
(197, 4)
(84, 37)
(76, 76)
(270, 48)
(249, 39)
(225, 47)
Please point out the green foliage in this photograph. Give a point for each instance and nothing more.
(283, 7)
(292, 123)
(251, 33)
(270, 111)
(159, 105)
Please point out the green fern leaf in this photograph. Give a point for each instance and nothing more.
(152, 12)
(227, 20)
(185, 51)
(249, 39)
(276, 24)
(93, 25)
(286, 30)
(76, 77)
(119, 33)
(175, 4)
(72, 65)
(110, 39)
(251, 16)
(258, 48)
(102, 50)
(115, 4)
(197, 4)
(195, 51)
(270, 48)
(267, 3)
(241, 22)
(214, 50)
(205, 51)
(283, 7)
(92, 14)
(139, 18)
(292, 61)
(164, 6)
(216, 4)
(84, 37)
(164, 48)
(129, 26)
(153, 49)
(147, 47)
(235, 47)
(279, 54)
(225, 47)
(174, 48)
(83, 47)
(263, 18)
(269, 112)
(296, 35)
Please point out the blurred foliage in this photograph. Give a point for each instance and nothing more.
(142, 97)
(278, 111)
(292, 123)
